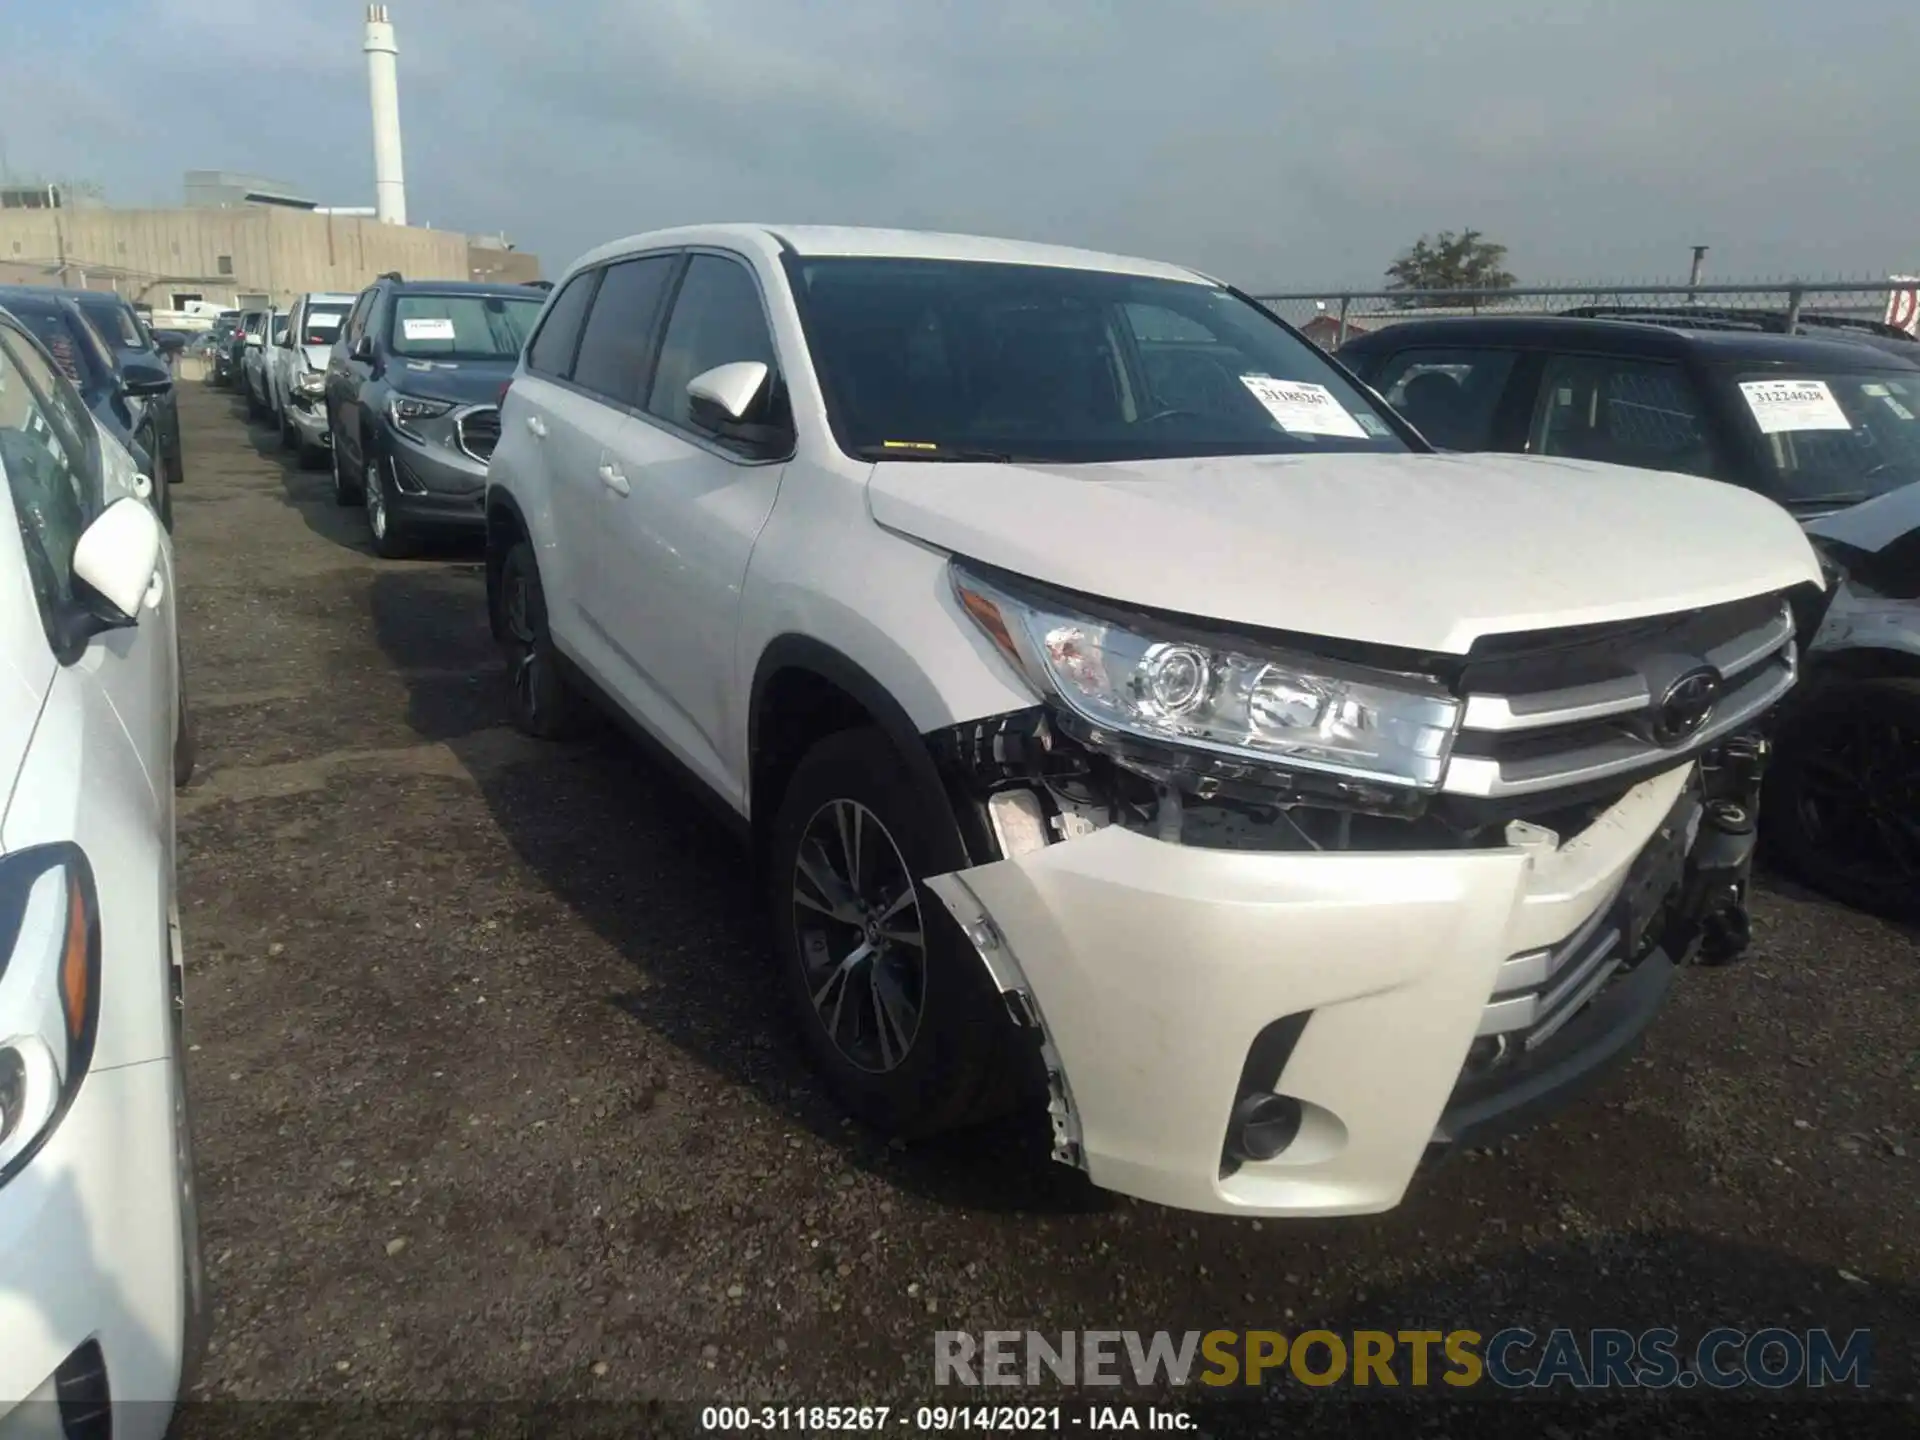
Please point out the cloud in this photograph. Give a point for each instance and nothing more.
(1279, 145)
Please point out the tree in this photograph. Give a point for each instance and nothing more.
(1466, 261)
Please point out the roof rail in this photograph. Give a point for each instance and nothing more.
(390, 275)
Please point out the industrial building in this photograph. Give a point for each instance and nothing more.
(244, 239)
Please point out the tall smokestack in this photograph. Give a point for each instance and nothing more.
(383, 79)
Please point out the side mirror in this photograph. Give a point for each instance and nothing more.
(363, 348)
(733, 402)
(117, 556)
(143, 379)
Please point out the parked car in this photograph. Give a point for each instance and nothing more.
(253, 364)
(138, 348)
(1118, 699)
(221, 352)
(101, 1299)
(1820, 425)
(118, 398)
(245, 329)
(413, 402)
(1858, 328)
(297, 371)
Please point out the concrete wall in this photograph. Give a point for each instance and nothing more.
(219, 254)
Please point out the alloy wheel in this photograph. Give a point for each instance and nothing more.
(857, 924)
(523, 668)
(1860, 800)
(376, 501)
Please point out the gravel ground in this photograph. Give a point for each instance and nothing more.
(495, 1100)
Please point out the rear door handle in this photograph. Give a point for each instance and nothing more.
(537, 426)
(614, 480)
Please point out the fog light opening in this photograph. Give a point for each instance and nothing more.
(1264, 1125)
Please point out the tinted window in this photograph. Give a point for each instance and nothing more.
(357, 317)
(1830, 437)
(1067, 365)
(553, 345)
(50, 453)
(1622, 411)
(717, 319)
(1449, 395)
(461, 327)
(620, 328)
(116, 323)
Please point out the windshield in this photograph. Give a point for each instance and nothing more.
(462, 327)
(922, 359)
(1832, 437)
(321, 327)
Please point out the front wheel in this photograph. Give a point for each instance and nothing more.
(1842, 805)
(541, 701)
(391, 540)
(900, 1015)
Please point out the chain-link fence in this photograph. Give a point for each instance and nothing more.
(1889, 307)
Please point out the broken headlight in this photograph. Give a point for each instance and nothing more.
(1240, 702)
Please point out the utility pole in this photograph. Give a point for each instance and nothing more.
(1699, 264)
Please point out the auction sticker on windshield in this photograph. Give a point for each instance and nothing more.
(1301, 407)
(432, 327)
(1779, 405)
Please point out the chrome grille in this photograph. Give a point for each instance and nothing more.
(479, 431)
(1590, 710)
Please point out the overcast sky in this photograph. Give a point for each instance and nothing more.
(1286, 144)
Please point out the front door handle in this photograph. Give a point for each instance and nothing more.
(614, 480)
(537, 426)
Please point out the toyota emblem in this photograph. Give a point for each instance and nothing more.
(1686, 707)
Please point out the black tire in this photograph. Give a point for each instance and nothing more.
(962, 1063)
(392, 539)
(186, 745)
(1841, 812)
(541, 700)
(345, 493)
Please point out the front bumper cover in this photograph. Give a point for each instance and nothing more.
(1151, 968)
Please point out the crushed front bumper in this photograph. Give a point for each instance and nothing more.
(309, 417)
(1159, 976)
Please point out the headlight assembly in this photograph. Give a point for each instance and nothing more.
(309, 382)
(1236, 702)
(407, 411)
(49, 993)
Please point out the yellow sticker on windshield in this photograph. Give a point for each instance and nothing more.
(908, 445)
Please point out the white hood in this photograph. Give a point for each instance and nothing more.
(1426, 552)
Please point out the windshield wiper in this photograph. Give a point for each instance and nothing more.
(1851, 497)
(947, 454)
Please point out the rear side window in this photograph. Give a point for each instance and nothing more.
(553, 345)
(717, 319)
(1622, 411)
(1449, 396)
(620, 328)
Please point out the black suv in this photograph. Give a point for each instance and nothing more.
(413, 395)
(1829, 427)
(143, 354)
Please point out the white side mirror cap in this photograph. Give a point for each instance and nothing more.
(118, 553)
(733, 387)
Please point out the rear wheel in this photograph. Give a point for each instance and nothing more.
(899, 1014)
(1842, 805)
(541, 701)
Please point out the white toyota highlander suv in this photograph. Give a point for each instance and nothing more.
(1122, 703)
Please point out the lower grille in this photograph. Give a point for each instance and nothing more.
(479, 431)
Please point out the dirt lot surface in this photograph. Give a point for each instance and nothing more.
(495, 1099)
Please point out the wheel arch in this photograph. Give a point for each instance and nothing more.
(506, 526)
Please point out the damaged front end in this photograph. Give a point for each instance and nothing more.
(1652, 857)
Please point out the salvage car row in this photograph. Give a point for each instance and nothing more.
(1130, 715)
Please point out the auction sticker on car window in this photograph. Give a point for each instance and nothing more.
(1302, 407)
(1785, 405)
(432, 327)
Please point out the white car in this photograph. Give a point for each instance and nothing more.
(1119, 701)
(253, 363)
(100, 1294)
(296, 371)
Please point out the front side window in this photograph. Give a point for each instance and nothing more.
(1450, 396)
(357, 317)
(50, 452)
(1831, 437)
(983, 360)
(1621, 411)
(117, 325)
(620, 328)
(461, 327)
(717, 320)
